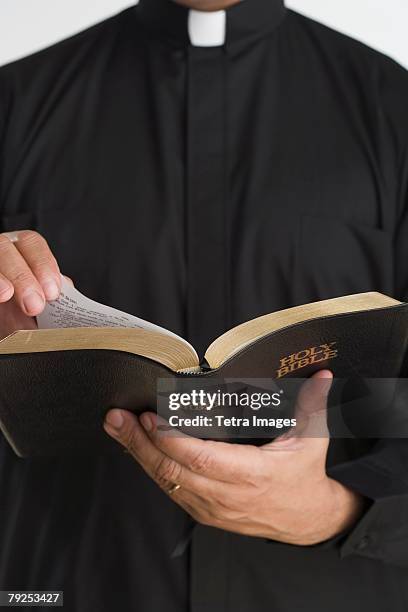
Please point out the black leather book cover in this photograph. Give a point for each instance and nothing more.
(54, 403)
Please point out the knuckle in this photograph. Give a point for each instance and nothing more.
(29, 237)
(4, 242)
(130, 440)
(167, 471)
(42, 266)
(22, 277)
(201, 463)
(38, 248)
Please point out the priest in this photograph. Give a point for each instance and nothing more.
(198, 164)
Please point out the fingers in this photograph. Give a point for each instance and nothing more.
(27, 290)
(36, 252)
(6, 289)
(69, 280)
(215, 460)
(29, 271)
(164, 470)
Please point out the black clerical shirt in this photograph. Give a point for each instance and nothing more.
(198, 187)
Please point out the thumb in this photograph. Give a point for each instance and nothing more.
(311, 406)
(310, 414)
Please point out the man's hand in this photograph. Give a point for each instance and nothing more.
(29, 276)
(278, 491)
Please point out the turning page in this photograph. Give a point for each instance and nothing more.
(73, 309)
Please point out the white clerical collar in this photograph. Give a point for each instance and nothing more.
(241, 23)
(207, 29)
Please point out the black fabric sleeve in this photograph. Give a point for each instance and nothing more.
(382, 475)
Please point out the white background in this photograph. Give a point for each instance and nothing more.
(29, 25)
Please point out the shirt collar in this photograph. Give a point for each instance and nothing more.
(242, 22)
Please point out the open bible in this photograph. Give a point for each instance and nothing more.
(58, 381)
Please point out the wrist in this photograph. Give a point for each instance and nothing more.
(348, 506)
(342, 509)
(336, 510)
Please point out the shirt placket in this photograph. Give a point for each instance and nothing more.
(206, 202)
